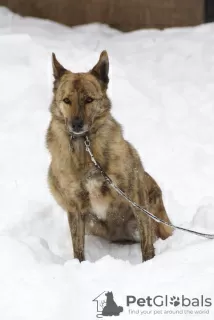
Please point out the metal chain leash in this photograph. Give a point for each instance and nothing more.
(134, 204)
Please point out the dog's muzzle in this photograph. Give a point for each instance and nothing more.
(77, 128)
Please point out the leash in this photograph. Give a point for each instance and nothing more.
(134, 204)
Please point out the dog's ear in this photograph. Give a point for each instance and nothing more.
(101, 69)
(58, 69)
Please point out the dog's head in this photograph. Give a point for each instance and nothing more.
(109, 294)
(80, 98)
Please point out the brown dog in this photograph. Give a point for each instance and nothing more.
(81, 106)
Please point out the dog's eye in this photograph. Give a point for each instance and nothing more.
(67, 101)
(89, 100)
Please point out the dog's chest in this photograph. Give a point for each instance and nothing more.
(98, 196)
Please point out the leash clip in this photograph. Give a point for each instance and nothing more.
(87, 142)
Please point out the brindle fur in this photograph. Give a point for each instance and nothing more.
(92, 206)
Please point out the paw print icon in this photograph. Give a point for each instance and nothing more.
(175, 301)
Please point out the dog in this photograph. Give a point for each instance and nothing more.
(111, 308)
(81, 107)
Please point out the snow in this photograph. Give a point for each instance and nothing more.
(162, 89)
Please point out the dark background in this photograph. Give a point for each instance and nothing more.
(125, 15)
(209, 10)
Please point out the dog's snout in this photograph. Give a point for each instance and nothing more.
(77, 124)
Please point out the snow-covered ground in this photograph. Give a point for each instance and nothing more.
(162, 89)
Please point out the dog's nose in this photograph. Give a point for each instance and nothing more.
(77, 124)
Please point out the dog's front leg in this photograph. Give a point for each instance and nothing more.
(146, 229)
(77, 229)
(147, 235)
(148, 238)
